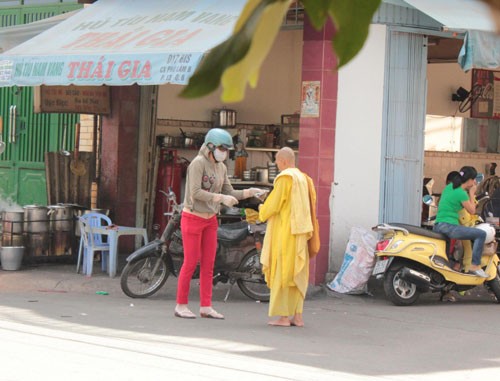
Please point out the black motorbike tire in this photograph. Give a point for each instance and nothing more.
(253, 257)
(494, 286)
(398, 291)
(136, 272)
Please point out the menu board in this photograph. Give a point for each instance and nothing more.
(485, 94)
(73, 99)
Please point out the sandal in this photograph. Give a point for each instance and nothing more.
(211, 314)
(186, 314)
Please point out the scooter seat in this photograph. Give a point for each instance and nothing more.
(229, 234)
(420, 231)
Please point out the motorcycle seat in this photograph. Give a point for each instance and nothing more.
(232, 233)
(420, 231)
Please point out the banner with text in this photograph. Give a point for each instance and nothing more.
(122, 42)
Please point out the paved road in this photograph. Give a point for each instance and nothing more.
(54, 326)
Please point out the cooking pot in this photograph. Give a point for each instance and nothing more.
(12, 222)
(262, 175)
(188, 142)
(168, 141)
(61, 217)
(36, 219)
(224, 118)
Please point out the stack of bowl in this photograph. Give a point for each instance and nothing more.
(247, 176)
(272, 169)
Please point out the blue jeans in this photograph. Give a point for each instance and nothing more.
(464, 232)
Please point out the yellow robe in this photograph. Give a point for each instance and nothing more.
(285, 257)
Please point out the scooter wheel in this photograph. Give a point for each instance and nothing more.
(254, 286)
(144, 277)
(399, 291)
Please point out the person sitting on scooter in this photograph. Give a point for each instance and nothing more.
(460, 194)
(207, 186)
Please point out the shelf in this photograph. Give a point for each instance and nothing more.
(202, 124)
(263, 149)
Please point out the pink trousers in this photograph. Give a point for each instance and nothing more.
(199, 240)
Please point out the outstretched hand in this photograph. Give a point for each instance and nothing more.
(228, 200)
(252, 192)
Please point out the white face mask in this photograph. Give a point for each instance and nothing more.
(219, 155)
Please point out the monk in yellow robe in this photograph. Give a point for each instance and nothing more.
(285, 255)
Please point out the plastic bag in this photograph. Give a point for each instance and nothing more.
(358, 264)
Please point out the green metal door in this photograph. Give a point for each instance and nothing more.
(27, 135)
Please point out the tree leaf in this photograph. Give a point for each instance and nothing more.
(317, 11)
(237, 61)
(352, 19)
(208, 75)
(246, 71)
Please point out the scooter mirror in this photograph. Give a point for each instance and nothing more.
(427, 199)
(479, 178)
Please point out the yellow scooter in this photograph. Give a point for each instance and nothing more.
(412, 260)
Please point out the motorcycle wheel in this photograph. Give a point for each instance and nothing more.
(255, 287)
(139, 281)
(399, 291)
(494, 285)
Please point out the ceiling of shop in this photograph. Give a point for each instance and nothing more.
(443, 49)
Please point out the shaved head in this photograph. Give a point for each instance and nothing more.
(285, 158)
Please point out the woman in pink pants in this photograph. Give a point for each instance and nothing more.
(207, 186)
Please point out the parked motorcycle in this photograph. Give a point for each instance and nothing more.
(412, 260)
(237, 259)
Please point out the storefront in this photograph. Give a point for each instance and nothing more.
(92, 50)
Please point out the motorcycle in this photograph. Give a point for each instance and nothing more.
(412, 260)
(237, 259)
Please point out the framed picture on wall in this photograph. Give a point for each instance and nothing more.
(485, 94)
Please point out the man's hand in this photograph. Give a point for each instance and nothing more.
(228, 200)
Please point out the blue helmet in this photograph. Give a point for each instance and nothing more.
(219, 137)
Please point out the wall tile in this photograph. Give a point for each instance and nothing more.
(325, 173)
(327, 143)
(329, 85)
(310, 166)
(329, 56)
(323, 195)
(310, 123)
(328, 110)
(310, 33)
(312, 55)
(312, 75)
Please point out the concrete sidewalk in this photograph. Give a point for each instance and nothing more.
(56, 277)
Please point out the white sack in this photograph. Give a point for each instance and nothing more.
(359, 260)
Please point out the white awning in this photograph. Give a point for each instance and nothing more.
(122, 42)
(12, 36)
(459, 15)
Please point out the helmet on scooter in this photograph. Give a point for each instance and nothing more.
(489, 230)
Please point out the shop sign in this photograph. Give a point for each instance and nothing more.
(73, 99)
(124, 42)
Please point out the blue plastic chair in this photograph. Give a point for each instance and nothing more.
(91, 242)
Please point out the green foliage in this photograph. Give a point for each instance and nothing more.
(351, 18)
(207, 77)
